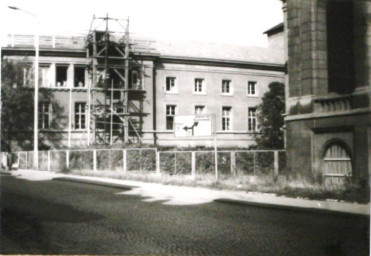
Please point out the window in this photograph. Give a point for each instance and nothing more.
(44, 115)
(79, 79)
(61, 76)
(226, 118)
(252, 89)
(199, 86)
(170, 113)
(200, 109)
(44, 76)
(252, 121)
(80, 115)
(226, 87)
(135, 81)
(171, 84)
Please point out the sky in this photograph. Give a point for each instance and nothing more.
(236, 22)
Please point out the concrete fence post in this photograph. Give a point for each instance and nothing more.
(94, 160)
(193, 164)
(254, 162)
(175, 167)
(275, 169)
(49, 160)
(233, 162)
(124, 161)
(158, 162)
(26, 160)
(67, 158)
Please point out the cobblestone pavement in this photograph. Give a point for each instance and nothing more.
(59, 217)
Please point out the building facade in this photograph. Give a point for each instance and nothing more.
(328, 111)
(173, 78)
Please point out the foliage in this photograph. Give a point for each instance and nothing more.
(17, 109)
(270, 118)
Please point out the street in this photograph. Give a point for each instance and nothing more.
(61, 217)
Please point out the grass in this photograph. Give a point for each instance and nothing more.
(296, 188)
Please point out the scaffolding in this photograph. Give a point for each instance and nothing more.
(115, 92)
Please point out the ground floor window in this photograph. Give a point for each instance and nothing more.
(226, 118)
(80, 115)
(200, 109)
(44, 115)
(170, 113)
(251, 117)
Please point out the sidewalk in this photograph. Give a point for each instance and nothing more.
(181, 195)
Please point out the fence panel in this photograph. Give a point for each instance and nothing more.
(167, 162)
(109, 159)
(81, 160)
(57, 160)
(23, 160)
(264, 162)
(205, 162)
(245, 163)
(148, 159)
(30, 160)
(43, 160)
(224, 163)
(281, 162)
(133, 160)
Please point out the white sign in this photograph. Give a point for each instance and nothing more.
(192, 126)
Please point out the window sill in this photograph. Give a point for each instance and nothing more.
(167, 92)
(227, 94)
(200, 93)
(252, 96)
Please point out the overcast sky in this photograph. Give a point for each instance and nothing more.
(240, 22)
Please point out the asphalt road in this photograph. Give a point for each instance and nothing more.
(60, 217)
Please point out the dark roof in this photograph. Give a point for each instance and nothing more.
(274, 30)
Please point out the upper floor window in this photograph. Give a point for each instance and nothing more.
(80, 115)
(200, 109)
(170, 114)
(135, 80)
(79, 79)
(252, 88)
(45, 115)
(252, 120)
(199, 86)
(226, 86)
(226, 118)
(61, 76)
(171, 85)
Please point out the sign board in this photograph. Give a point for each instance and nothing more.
(193, 126)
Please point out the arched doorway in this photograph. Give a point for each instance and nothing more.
(337, 164)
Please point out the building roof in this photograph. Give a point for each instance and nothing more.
(187, 50)
(274, 30)
(219, 52)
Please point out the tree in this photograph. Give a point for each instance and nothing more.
(17, 108)
(270, 118)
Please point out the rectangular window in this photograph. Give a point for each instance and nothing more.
(252, 89)
(199, 85)
(44, 115)
(79, 79)
(226, 87)
(252, 121)
(135, 81)
(44, 76)
(200, 109)
(226, 118)
(171, 84)
(170, 113)
(80, 115)
(61, 76)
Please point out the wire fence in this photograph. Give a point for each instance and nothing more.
(229, 162)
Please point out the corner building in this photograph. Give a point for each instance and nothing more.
(328, 111)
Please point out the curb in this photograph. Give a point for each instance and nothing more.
(98, 183)
(229, 201)
(291, 208)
